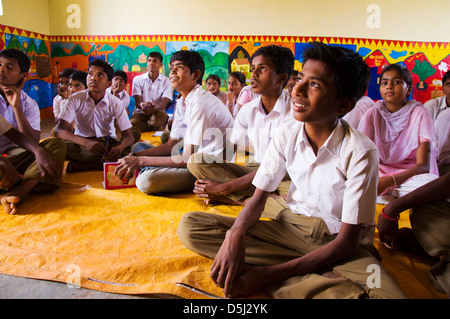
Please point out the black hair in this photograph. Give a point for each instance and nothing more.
(281, 57)
(79, 76)
(238, 75)
(347, 68)
(106, 67)
(193, 60)
(215, 78)
(157, 55)
(66, 73)
(402, 70)
(122, 74)
(445, 77)
(20, 56)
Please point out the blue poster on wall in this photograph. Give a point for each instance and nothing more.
(40, 91)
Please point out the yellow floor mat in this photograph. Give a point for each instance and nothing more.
(123, 241)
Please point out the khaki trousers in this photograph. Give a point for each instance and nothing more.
(24, 161)
(287, 237)
(205, 166)
(162, 180)
(431, 227)
(81, 154)
(145, 123)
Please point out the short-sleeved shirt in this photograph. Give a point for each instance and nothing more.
(442, 128)
(436, 106)
(95, 120)
(338, 185)
(123, 96)
(58, 106)
(30, 109)
(202, 120)
(253, 122)
(151, 91)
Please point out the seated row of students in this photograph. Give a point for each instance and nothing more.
(343, 204)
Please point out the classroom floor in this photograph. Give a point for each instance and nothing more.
(31, 251)
(12, 287)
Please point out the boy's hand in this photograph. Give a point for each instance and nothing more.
(204, 188)
(96, 148)
(10, 175)
(113, 154)
(127, 166)
(148, 107)
(48, 165)
(229, 262)
(388, 232)
(62, 91)
(12, 93)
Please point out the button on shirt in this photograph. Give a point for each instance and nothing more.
(30, 109)
(202, 119)
(338, 185)
(95, 120)
(253, 122)
(151, 91)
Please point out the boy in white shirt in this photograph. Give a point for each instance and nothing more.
(256, 122)
(117, 89)
(318, 246)
(438, 105)
(200, 120)
(94, 112)
(152, 92)
(62, 90)
(37, 164)
(21, 111)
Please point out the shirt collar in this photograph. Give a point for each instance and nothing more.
(332, 144)
(282, 105)
(190, 96)
(104, 100)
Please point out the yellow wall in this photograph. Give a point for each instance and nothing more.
(30, 15)
(410, 20)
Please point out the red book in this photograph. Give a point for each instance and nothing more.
(112, 181)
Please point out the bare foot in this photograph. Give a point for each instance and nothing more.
(222, 200)
(9, 204)
(13, 197)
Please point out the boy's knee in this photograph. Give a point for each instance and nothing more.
(184, 230)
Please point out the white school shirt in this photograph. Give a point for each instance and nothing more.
(436, 107)
(338, 185)
(123, 96)
(253, 122)
(58, 106)
(442, 128)
(151, 91)
(202, 120)
(95, 120)
(30, 109)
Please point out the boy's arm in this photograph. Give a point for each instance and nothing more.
(64, 131)
(160, 156)
(437, 190)
(13, 94)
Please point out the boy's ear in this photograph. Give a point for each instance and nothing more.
(197, 75)
(283, 78)
(347, 104)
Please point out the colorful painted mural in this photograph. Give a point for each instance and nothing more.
(427, 61)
